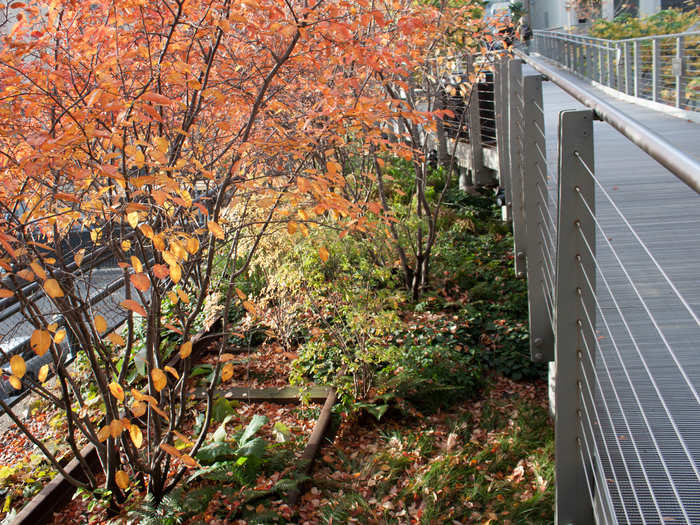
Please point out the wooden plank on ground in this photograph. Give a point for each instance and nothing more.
(288, 394)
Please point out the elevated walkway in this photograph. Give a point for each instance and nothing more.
(609, 239)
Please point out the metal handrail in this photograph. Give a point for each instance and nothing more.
(681, 165)
(585, 318)
(659, 68)
(633, 39)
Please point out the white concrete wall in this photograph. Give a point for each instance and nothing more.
(649, 7)
(545, 14)
(608, 9)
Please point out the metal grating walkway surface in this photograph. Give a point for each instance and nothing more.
(643, 434)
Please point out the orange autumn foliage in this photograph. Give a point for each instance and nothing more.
(165, 128)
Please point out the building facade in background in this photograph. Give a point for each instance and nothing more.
(557, 14)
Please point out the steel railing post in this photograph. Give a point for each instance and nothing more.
(574, 223)
(534, 171)
(678, 70)
(610, 63)
(571, 50)
(618, 62)
(628, 71)
(655, 62)
(515, 136)
(562, 52)
(479, 175)
(501, 110)
(552, 47)
(581, 58)
(637, 72)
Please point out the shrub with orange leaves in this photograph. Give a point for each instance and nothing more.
(172, 131)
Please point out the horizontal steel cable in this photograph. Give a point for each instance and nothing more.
(612, 426)
(638, 239)
(619, 402)
(670, 418)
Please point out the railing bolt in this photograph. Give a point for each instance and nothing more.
(539, 342)
(538, 356)
(521, 255)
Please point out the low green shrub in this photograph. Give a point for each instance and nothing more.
(667, 21)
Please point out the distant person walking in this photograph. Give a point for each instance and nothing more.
(525, 33)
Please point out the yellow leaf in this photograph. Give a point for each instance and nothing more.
(100, 324)
(185, 350)
(227, 372)
(133, 218)
(136, 264)
(147, 231)
(157, 98)
(161, 144)
(134, 307)
(159, 379)
(136, 436)
(59, 336)
(122, 479)
(215, 230)
(173, 297)
(43, 373)
(117, 141)
(52, 327)
(116, 427)
(183, 296)
(227, 357)
(158, 243)
(103, 434)
(175, 273)
(138, 408)
(6, 293)
(40, 341)
(138, 395)
(291, 227)
(242, 296)
(38, 270)
(169, 258)
(53, 289)
(116, 339)
(126, 245)
(172, 371)
(250, 307)
(171, 450)
(192, 245)
(323, 253)
(15, 382)
(26, 275)
(159, 411)
(186, 442)
(303, 215)
(117, 391)
(178, 250)
(18, 366)
(140, 281)
(189, 460)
